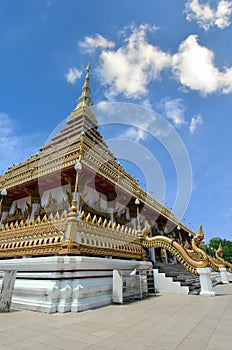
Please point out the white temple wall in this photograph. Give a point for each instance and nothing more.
(90, 196)
(21, 204)
(103, 202)
(58, 193)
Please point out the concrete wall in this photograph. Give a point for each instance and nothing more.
(62, 284)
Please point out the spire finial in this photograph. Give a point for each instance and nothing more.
(84, 100)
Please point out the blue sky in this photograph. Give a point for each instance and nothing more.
(173, 57)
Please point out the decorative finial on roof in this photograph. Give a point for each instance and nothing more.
(84, 100)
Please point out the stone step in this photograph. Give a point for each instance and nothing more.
(179, 274)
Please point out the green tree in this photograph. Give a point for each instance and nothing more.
(213, 245)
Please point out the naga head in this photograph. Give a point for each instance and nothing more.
(199, 238)
(219, 251)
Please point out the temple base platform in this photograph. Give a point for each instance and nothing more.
(65, 283)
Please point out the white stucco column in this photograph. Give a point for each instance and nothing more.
(4, 215)
(223, 275)
(35, 206)
(111, 213)
(206, 282)
(152, 251)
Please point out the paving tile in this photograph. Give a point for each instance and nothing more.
(3, 347)
(166, 322)
(22, 344)
(95, 347)
(127, 346)
(103, 333)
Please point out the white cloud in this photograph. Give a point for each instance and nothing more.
(129, 68)
(194, 67)
(90, 43)
(15, 148)
(194, 122)
(146, 103)
(7, 139)
(132, 66)
(225, 81)
(174, 110)
(206, 16)
(72, 75)
(135, 134)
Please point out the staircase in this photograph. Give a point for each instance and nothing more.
(178, 273)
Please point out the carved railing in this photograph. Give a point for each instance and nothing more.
(45, 236)
(102, 237)
(42, 236)
(189, 263)
(191, 259)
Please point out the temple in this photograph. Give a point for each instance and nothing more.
(41, 189)
(65, 206)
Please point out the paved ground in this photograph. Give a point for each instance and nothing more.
(164, 322)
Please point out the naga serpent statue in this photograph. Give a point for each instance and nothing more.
(184, 255)
(191, 264)
(197, 242)
(219, 256)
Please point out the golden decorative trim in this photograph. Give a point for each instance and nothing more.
(46, 235)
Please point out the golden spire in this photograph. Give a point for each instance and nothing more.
(84, 100)
(84, 103)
